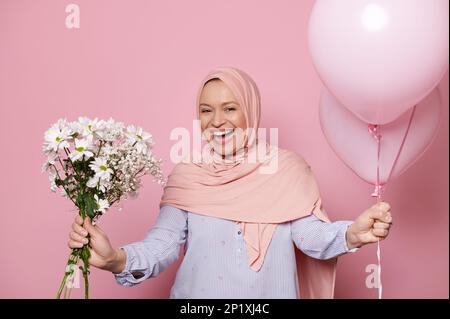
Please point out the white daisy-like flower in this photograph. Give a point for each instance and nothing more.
(102, 184)
(52, 177)
(56, 138)
(50, 161)
(102, 204)
(92, 182)
(101, 169)
(82, 147)
(139, 138)
(90, 127)
(76, 128)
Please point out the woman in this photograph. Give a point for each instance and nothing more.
(238, 223)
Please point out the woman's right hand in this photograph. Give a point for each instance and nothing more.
(103, 255)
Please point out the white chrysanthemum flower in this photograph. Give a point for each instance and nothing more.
(82, 147)
(90, 127)
(76, 128)
(140, 139)
(56, 138)
(102, 184)
(101, 169)
(52, 177)
(92, 182)
(50, 161)
(102, 204)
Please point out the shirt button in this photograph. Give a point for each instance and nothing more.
(239, 232)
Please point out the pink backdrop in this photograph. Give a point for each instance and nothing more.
(141, 62)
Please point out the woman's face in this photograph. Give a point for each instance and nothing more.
(220, 113)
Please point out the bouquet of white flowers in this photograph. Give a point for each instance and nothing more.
(96, 163)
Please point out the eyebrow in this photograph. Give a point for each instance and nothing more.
(224, 103)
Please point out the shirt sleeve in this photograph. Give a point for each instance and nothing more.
(160, 247)
(319, 239)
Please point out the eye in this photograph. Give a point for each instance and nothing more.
(205, 110)
(230, 109)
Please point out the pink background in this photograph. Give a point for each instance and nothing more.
(141, 62)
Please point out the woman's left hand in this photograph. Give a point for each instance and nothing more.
(372, 225)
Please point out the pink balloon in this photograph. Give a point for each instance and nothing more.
(351, 140)
(380, 57)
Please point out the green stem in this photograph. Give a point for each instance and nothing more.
(100, 147)
(85, 254)
(71, 163)
(78, 253)
(67, 191)
(61, 287)
(86, 273)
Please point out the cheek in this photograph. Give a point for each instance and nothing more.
(203, 122)
(239, 120)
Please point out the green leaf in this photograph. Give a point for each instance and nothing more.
(80, 200)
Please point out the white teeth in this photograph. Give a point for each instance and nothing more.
(220, 134)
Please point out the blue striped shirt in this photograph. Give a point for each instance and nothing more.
(215, 261)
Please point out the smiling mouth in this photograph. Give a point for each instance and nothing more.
(222, 136)
(224, 133)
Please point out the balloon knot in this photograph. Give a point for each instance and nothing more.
(373, 129)
(378, 191)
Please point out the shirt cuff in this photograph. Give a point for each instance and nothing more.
(132, 264)
(342, 234)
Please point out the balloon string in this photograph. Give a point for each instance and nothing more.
(380, 286)
(374, 130)
(403, 141)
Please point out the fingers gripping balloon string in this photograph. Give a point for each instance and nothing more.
(379, 188)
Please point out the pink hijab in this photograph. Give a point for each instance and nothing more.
(236, 189)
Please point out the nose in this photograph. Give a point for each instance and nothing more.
(218, 119)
